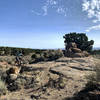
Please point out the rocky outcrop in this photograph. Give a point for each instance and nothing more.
(73, 51)
(52, 80)
(12, 73)
(14, 70)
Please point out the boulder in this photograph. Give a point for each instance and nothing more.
(73, 51)
(14, 70)
(86, 54)
(76, 50)
(13, 76)
(72, 44)
(78, 55)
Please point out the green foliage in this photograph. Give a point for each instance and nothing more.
(48, 55)
(2, 53)
(54, 54)
(80, 39)
(5, 51)
(58, 83)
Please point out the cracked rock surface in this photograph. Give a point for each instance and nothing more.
(54, 80)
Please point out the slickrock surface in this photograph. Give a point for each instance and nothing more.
(54, 80)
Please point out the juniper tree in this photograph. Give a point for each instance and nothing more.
(80, 39)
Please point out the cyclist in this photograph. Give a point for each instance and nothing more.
(18, 58)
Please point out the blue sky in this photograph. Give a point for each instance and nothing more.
(43, 23)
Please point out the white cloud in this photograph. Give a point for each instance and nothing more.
(57, 5)
(45, 9)
(92, 8)
(52, 2)
(97, 27)
(85, 5)
(91, 13)
(37, 13)
(62, 10)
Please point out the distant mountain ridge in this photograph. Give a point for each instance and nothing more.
(96, 48)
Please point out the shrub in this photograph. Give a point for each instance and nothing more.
(80, 39)
(8, 59)
(48, 55)
(14, 51)
(38, 57)
(94, 78)
(2, 53)
(54, 54)
(21, 82)
(59, 53)
(3, 89)
(58, 83)
(51, 55)
(35, 56)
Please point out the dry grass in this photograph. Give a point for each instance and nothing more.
(96, 56)
(3, 89)
(8, 59)
(94, 78)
